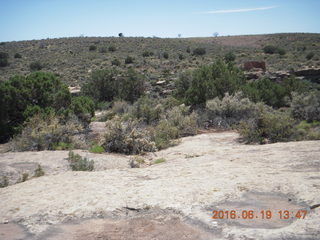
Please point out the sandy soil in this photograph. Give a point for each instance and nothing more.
(203, 173)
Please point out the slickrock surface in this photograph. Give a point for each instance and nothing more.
(203, 173)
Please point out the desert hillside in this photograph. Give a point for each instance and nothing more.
(75, 58)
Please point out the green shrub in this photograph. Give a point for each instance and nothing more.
(115, 62)
(129, 60)
(4, 59)
(103, 50)
(269, 126)
(106, 85)
(45, 132)
(39, 172)
(147, 110)
(127, 137)
(230, 57)
(160, 160)
(131, 86)
(136, 162)
(21, 97)
(112, 49)
(92, 48)
(208, 82)
(163, 134)
(310, 55)
(181, 57)
(147, 54)
(83, 107)
(230, 110)
(96, 149)
(199, 51)
(270, 49)
(78, 163)
(4, 182)
(17, 55)
(306, 106)
(36, 66)
(307, 131)
(281, 51)
(166, 55)
(24, 177)
(180, 117)
(273, 93)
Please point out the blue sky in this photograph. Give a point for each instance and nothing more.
(39, 19)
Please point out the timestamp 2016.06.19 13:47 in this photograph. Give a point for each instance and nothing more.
(263, 214)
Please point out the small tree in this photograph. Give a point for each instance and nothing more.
(17, 55)
(166, 55)
(120, 34)
(230, 57)
(128, 60)
(310, 55)
(36, 66)
(112, 49)
(199, 51)
(4, 59)
(92, 48)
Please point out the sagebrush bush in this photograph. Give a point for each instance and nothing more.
(127, 137)
(147, 110)
(163, 134)
(180, 117)
(307, 131)
(39, 172)
(45, 132)
(229, 111)
(306, 106)
(78, 163)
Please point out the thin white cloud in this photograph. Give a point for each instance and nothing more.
(238, 10)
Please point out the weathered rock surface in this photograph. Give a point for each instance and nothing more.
(203, 173)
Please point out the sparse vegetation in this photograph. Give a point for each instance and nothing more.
(96, 149)
(160, 160)
(78, 163)
(39, 172)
